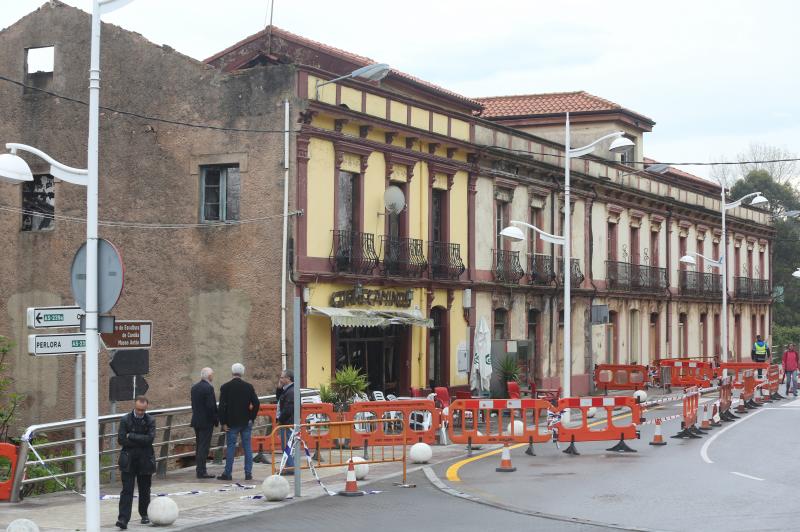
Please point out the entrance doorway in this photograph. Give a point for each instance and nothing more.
(377, 352)
(438, 352)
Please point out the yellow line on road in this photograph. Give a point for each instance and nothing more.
(452, 471)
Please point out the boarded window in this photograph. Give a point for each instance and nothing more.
(38, 203)
(221, 187)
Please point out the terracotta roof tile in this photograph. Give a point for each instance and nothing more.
(359, 60)
(680, 173)
(547, 103)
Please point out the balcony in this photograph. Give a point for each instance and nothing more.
(627, 277)
(751, 288)
(507, 268)
(445, 260)
(700, 284)
(353, 252)
(540, 270)
(403, 257)
(575, 274)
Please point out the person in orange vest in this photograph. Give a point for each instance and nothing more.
(791, 362)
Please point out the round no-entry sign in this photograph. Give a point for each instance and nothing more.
(110, 276)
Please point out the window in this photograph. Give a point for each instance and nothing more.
(500, 324)
(683, 339)
(501, 222)
(438, 205)
(221, 190)
(38, 203)
(700, 251)
(612, 241)
(629, 155)
(635, 245)
(536, 245)
(347, 210)
(682, 250)
(654, 251)
(40, 60)
(533, 324)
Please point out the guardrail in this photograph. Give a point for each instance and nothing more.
(174, 430)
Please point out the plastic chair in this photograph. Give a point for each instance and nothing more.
(513, 390)
(378, 396)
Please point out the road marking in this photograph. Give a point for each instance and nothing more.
(704, 448)
(751, 477)
(452, 471)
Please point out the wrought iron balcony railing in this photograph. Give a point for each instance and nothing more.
(403, 257)
(353, 252)
(444, 259)
(575, 274)
(700, 284)
(540, 270)
(507, 268)
(627, 277)
(751, 288)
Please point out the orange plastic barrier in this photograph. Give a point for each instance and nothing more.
(749, 389)
(736, 370)
(726, 399)
(8, 452)
(774, 378)
(309, 413)
(377, 422)
(620, 377)
(691, 401)
(579, 429)
(488, 421)
(686, 373)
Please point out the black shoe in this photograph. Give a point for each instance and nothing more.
(224, 477)
(145, 520)
(248, 477)
(122, 526)
(205, 475)
(288, 472)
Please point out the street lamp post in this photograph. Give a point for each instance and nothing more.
(722, 262)
(619, 145)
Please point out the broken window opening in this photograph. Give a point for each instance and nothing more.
(221, 191)
(38, 203)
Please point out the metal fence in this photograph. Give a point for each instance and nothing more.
(174, 436)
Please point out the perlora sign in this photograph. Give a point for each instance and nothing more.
(56, 344)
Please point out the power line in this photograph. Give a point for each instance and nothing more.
(140, 115)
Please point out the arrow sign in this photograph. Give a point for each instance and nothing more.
(54, 317)
(56, 344)
(130, 362)
(126, 387)
(129, 334)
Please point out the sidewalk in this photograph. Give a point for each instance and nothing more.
(201, 502)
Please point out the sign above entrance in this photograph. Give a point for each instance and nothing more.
(365, 296)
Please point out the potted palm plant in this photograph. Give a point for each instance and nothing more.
(509, 372)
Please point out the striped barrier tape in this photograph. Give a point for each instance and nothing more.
(678, 397)
(287, 451)
(662, 419)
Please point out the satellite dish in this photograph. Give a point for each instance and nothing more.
(394, 200)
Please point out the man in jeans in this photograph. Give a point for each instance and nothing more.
(791, 361)
(238, 408)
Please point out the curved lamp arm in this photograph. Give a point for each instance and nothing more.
(712, 262)
(589, 148)
(547, 237)
(77, 176)
(107, 6)
(738, 202)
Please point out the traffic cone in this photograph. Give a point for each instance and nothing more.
(658, 439)
(742, 408)
(706, 423)
(351, 486)
(505, 461)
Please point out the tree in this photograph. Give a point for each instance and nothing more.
(782, 196)
(9, 401)
(782, 171)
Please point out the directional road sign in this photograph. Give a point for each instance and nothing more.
(56, 344)
(126, 387)
(53, 317)
(130, 362)
(129, 334)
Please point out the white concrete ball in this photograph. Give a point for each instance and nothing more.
(22, 525)
(275, 488)
(519, 428)
(591, 412)
(420, 453)
(640, 395)
(162, 511)
(362, 470)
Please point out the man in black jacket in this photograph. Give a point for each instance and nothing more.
(137, 461)
(285, 395)
(238, 408)
(204, 419)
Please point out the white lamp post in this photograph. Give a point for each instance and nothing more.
(374, 72)
(796, 273)
(89, 178)
(721, 263)
(619, 145)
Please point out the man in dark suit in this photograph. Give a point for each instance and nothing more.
(238, 409)
(204, 419)
(137, 460)
(285, 395)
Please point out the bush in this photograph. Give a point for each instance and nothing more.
(9, 401)
(347, 383)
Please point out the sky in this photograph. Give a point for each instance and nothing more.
(715, 76)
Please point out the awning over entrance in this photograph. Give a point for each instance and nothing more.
(341, 317)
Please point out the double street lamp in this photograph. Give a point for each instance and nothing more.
(721, 263)
(620, 144)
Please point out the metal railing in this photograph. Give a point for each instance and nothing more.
(403, 257)
(700, 284)
(172, 429)
(353, 252)
(507, 268)
(627, 277)
(540, 269)
(752, 288)
(575, 274)
(445, 260)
